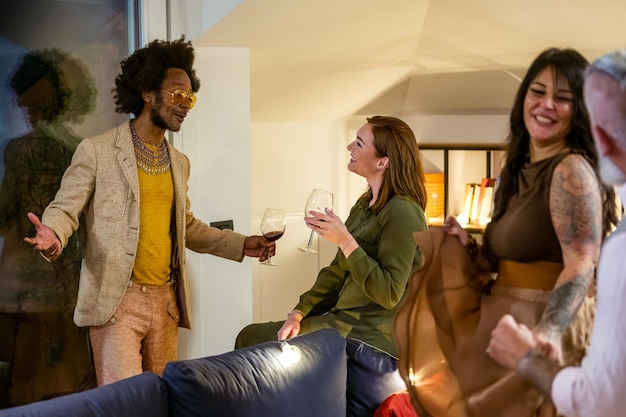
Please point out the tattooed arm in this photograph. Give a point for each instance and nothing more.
(576, 210)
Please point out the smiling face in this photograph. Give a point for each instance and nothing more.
(163, 113)
(548, 109)
(364, 159)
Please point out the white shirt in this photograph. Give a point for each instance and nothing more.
(598, 386)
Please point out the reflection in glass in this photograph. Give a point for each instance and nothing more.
(57, 63)
(41, 350)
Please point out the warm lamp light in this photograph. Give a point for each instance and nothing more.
(290, 354)
(436, 194)
(429, 375)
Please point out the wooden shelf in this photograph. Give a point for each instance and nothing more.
(462, 147)
(475, 228)
(491, 160)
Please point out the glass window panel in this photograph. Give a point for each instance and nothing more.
(58, 63)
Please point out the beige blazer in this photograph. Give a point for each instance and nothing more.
(102, 184)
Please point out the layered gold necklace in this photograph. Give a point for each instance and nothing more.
(150, 159)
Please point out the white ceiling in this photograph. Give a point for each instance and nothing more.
(324, 60)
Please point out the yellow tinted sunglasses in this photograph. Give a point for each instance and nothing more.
(179, 95)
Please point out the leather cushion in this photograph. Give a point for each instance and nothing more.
(372, 377)
(253, 381)
(140, 395)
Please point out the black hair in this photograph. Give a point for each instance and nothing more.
(146, 68)
(567, 65)
(42, 65)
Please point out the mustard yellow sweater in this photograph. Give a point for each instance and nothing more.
(156, 202)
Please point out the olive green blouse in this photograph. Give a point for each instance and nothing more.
(360, 295)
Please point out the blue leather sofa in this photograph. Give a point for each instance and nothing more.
(315, 375)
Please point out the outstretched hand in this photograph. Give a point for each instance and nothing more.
(45, 240)
(259, 247)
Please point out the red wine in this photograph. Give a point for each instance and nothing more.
(272, 236)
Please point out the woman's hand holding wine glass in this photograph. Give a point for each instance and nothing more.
(273, 225)
(318, 201)
(330, 227)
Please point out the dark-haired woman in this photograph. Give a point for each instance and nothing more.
(551, 214)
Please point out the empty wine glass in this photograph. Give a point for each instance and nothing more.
(318, 201)
(273, 226)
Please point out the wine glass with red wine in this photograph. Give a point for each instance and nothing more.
(318, 201)
(273, 227)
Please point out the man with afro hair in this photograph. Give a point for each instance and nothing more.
(131, 185)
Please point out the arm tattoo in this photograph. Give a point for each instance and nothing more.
(539, 370)
(576, 206)
(576, 210)
(563, 306)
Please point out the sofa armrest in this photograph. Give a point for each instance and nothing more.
(372, 376)
(140, 395)
(253, 381)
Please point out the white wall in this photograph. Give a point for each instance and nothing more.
(275, 289)
(217, 142)
(459, 129)
(154, 20)
(288, 161)
(193, 17)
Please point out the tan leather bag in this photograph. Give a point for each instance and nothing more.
(437, 317)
